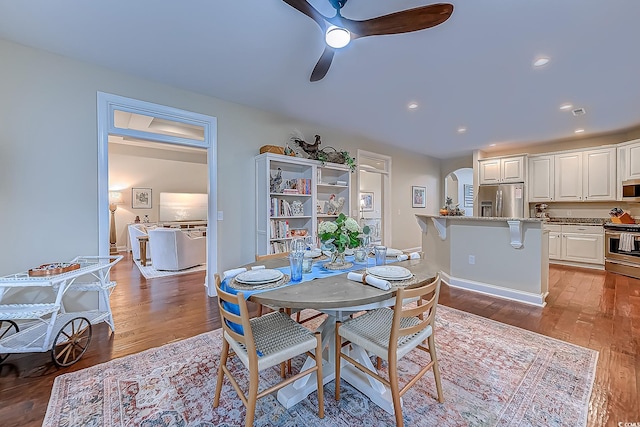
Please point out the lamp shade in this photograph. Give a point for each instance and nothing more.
(115, 198)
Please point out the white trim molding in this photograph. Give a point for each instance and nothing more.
(495, 291)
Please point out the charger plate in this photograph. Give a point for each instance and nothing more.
(271, 285)
(390, 272)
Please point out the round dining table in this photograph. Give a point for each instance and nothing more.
(338, 297)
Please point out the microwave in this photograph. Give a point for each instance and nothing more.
(631, 190)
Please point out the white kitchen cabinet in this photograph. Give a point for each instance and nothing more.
(588, 248)
(502, 170)
(568, 177)
(629, 154)
(576, 244)
(489, 171)
(541, 178)
(599, 174)
(555, 242)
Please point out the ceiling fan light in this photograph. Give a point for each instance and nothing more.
(337, 37)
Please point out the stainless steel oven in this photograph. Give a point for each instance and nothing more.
(619, 258)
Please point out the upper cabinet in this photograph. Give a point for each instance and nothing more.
(503, 170)
(629, 160)
(599, 174)
(568, 177)
(573, 176)
(541, 181)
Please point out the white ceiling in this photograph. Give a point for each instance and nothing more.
(475, 70)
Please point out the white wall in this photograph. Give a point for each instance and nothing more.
(48, 159)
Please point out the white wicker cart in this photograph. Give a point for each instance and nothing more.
(36, 319)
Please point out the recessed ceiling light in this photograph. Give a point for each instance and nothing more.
(579, 130)
(492, 145)
(462, 129)
(566, 106)
(543, 60)
(412, 105)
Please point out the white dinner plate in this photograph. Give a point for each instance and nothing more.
(394, 252)
(258, 277)
(390, 272)
(313, 253)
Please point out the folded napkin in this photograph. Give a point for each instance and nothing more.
(232, 273)
(412, 255)
(370, 280)
(258, 267)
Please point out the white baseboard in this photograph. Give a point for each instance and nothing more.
(496, 291)
(577, 264)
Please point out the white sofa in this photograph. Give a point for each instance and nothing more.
(173, 249)
(136, 230)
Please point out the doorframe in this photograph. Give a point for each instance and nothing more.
(107, 104)
(385, 173)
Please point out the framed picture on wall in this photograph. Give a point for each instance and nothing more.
(418, 197)
(366, 201)
(141, 198)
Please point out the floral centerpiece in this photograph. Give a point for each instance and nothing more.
(339, 235)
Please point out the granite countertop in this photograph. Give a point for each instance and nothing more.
(482, 218)
(581, 221)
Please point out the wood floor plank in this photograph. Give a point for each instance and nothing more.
(586, 307)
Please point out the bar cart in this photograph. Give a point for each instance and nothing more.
(39, 314)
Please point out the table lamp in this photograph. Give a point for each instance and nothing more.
(115, 199)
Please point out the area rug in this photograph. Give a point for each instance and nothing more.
(150, 273)
(493, 375)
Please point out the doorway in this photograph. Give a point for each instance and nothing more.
(374, 194)
(458, 186)
(197, 131)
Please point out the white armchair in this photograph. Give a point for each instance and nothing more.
(173, 249)
(136, 230)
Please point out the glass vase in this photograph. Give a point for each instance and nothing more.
(337, 258)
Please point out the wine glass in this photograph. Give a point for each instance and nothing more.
(310, 241)
(298, 245)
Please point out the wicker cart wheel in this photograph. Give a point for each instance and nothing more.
(7, 327)
(71, 342)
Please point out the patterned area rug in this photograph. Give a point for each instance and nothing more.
(493, 375)
(149, 272)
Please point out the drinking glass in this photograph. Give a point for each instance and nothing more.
(310, 242)
(381, 255)
(307, 265)
(295, 262)
(298, 245)
(360, 254)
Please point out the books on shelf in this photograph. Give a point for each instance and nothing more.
(279, 229)
(297, 186)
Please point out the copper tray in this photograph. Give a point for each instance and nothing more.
(53, 268)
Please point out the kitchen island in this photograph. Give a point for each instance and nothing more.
(504, 257)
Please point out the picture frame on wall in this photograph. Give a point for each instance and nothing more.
(141, 198)
(366, 201)
(418, 197)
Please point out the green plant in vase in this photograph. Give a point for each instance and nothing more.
(340, 234)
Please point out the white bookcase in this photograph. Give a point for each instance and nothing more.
(304, 182)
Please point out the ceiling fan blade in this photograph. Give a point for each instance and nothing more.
(304, 7)
(404, 21)
(321, 68)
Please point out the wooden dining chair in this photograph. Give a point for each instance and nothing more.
(391, 333)
(265, 257)
(265, 341)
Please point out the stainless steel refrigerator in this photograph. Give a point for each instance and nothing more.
(502, 200)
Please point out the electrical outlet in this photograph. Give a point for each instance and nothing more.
(220, 215)
(472, 259)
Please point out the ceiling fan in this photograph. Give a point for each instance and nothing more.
(339, 31)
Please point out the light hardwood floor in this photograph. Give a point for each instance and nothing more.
(589, 308)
